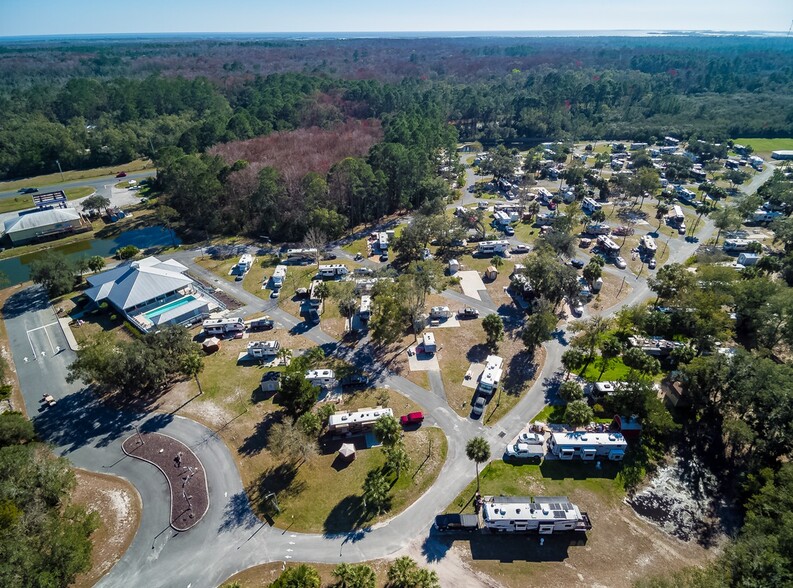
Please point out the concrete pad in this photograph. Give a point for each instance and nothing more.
(447, 323)
(422, 362)
(471, 379)
(471, 282)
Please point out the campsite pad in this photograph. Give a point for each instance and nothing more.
(422, 362)
(447, 323)
(471, 282)
(471, 379)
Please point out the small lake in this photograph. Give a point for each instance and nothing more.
(17, 269)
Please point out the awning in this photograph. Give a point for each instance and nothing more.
(347, 451)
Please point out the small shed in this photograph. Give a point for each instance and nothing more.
(454, 266)
(748, 259)
(491, 273)
(211, 345)
(271, 382)
(347, 452)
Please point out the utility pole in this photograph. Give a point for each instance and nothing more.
(60, 170)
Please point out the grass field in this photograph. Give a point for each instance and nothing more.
(73, 175)
(766, 145)
(24, 201)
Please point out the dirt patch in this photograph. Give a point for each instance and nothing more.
(120, 507)
(614, 290)
(15, 402)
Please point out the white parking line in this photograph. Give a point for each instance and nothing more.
(30, 341)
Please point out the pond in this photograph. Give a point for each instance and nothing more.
(17, 269)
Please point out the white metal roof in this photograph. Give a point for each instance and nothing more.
(138, 282)
(586, 439)
(502, 508)
(364, 415)
(40, 218)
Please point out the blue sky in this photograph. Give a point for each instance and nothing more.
(47, 17)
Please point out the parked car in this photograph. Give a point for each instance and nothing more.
(384, 257)
(509, 231)
(121, 175)
(531, 438)
(329, 256)
(456, 522)
(551, 205)
(28, 190)
(354, 380)
(413, 418)
(652, 263)
(578, 309)
(358, 257)
(520, 249)
(301, 292)
(275, 294)
(521, 451)
(478, 408)
(469, 313)
(577, 263)
(585, 243)
(620, 262)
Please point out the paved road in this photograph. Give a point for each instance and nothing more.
(231, 538)
(102, 184)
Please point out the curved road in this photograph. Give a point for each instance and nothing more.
(102, 184)
(231, 538)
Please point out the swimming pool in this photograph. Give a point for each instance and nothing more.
(170, 306)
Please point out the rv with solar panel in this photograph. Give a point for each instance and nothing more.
(543, 515)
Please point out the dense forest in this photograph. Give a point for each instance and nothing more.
(106, 103)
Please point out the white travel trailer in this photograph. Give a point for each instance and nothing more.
(676, 215)
(491, 247)
(428, 343)
(365, 310)
(491, 375)
(607, 245)
(440, 312)
(588, 446)
(262, 349)
(765, 216)
(736, 244)
(357, 421)
(648, 244)
(502, 219)
(597, 229)
(244, 264)
(301, 254)
(336, 270)
(590, 205)
(221, 326)
(322, 378)
(279, 275)
(544, 515)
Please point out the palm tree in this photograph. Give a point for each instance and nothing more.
(402, 572)
(284, 355)
(478, 451)
(388, 431)
(375, 492)
(497, 261)
(193, 365)
(397, 458)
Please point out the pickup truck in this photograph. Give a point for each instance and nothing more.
(469, 313)
(456, 522)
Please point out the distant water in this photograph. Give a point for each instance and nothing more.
(303, 36)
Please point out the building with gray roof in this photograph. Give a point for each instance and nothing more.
(39, 224)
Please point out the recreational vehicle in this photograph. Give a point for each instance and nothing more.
(322, 378)
(491, 375)
(597, 229)
(648, 244)
(221, 326)
(765, 216)
(428, 343)
(279, 275)
(544, 515)
(736, 244)
(589, 205)
(440, 312)
(244, 264)
(588, 446)
(336, 270)
(261, 349)
(382, 241)
(365, 310)
(502, 219)
(298, 255)
(357, 421)
(607, 245)
(491, 247)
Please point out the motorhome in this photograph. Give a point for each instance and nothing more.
(502, 219)
(544, 515)
(607, 245)
(676, 215)
(440, 312)
(298, 255)
(685, 195)
(263, 349)
(382, 241)
(491, 247)
(648, 244)
(365, 310)
(491, 375)
(588, 446)
(736, 244)
(638, 146)
(357, 421)
(544, 194)
(597, 229)
(765, 216)
(590, 205)
(336, 270)
(322, 378)
(279, 275)
(221, 326)
(756, 162)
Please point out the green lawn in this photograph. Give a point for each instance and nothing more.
(616, 372)
(24, 201)
(72, 175)
(551, 478)
(765, 145)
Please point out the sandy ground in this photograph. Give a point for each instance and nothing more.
(119, 506)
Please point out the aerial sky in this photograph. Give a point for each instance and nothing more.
(63, 17)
